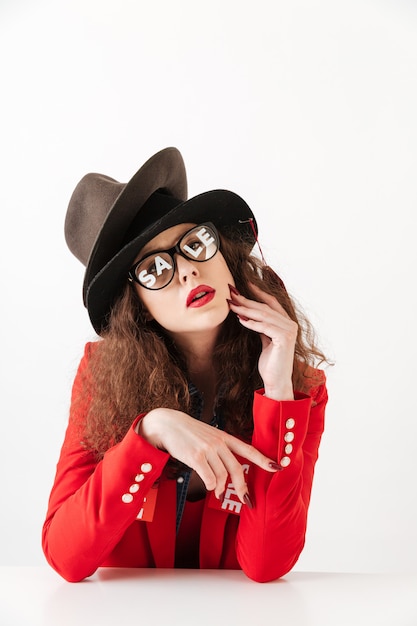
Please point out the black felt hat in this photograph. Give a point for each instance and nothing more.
(108, 222)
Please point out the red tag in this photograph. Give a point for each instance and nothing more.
(231, 502)
(148, 506)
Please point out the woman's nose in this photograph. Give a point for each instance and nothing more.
(185, 268)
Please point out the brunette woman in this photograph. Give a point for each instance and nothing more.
(196, 417)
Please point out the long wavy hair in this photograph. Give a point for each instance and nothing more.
(135, 367)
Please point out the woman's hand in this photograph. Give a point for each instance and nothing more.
(278, 334)
(207, 450)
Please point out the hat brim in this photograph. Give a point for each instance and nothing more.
(225, 209)
(165, 171)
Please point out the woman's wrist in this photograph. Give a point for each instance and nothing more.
(280, 393)
(147, 427)
(138, 426)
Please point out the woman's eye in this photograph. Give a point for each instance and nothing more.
(194, 245)
(150, 267)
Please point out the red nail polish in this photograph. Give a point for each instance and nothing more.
(234, 290)
(248, 501)
(242, 317)
(275, 466)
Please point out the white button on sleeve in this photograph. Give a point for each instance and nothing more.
(127, 498)
(134, 488)
(288, 437)
(145, 468)
(285, 461)
(290, 423)
(288, 448)
(139, 478)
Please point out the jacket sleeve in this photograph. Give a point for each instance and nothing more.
(93, 503)
(271, 536)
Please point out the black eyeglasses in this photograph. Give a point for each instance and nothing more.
(157, 269)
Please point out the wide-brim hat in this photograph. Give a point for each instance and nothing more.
(108, 222)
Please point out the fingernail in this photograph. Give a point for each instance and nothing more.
(221, 496)
(234, 290)
(242, 317)
(248, 501)
(275, 466)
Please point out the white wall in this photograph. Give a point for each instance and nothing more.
(308, 110)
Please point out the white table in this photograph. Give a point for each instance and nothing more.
(37, 596)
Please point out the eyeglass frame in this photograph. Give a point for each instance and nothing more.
(170, 252)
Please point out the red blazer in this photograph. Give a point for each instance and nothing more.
(92, 518)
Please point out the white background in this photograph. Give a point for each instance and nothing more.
(305, 108)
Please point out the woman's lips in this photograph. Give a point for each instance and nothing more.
(200, 296)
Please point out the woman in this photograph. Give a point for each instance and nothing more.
(196, 419)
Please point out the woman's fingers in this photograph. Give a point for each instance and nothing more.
(216, 462)
(260, 313)
(220, 474)
(236, 471)
(207, 450)
(253, 455)
(278, 334)
(266, 322)
(269, 312)
(264, 298)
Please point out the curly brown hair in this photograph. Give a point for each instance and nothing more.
(136, 367)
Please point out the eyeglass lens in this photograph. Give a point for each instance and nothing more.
(157, 269)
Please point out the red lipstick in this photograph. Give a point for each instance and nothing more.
(201, 295)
